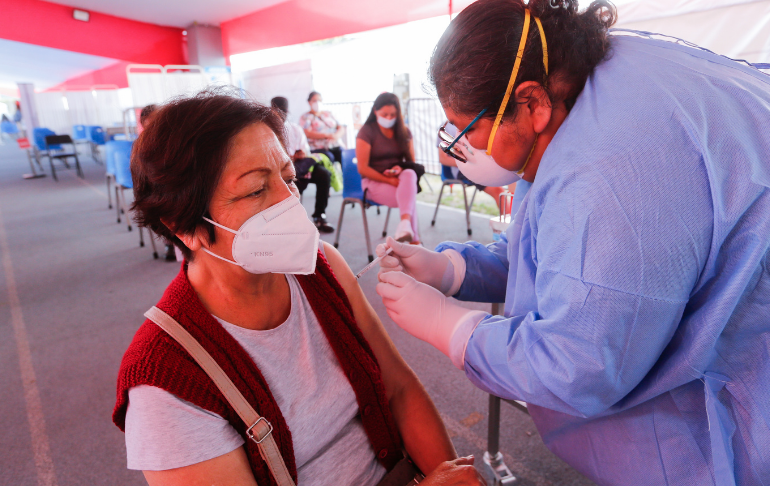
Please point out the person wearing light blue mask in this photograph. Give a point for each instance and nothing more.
(385, 153)
(635, 274)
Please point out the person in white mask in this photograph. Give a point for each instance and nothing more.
(322, 129)
(385, 153)
(635, 274)
(283, 316)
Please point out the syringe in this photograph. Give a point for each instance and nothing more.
(374, 262)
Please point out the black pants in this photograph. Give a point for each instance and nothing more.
(334, 153)
(322, 180)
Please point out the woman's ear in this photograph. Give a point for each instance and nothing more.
(191, 241)
(537, 106)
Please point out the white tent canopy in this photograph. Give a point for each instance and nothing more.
(739, 29)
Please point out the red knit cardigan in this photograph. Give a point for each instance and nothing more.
(155, 359)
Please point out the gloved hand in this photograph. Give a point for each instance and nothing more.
(426, 313)
(426, 266)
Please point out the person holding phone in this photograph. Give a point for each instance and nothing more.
(383, 145)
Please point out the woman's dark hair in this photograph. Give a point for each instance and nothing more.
(401, 134)
(312, 93)
(176, 163)
(145, 113)
(472, 63)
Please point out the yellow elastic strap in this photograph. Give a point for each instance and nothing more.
(531, 151)
(545, 45)
(516, 64)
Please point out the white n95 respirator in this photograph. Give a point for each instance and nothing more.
(280, 239)
(482, 168)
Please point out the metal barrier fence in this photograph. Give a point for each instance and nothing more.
(423, 116)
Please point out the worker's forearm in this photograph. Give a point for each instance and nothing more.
(422, 430)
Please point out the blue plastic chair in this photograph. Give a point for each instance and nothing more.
(120, 152)
(353, 193)
(38, 143)
(109, 163)
(448, 179)
(96, 137)
(121, 156)
(79, 133)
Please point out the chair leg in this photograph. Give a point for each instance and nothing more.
(366, 233)
(79, 169)
(467, 208)
(339, 225)
(117, 200)
(109, 194)
(152, 243)
(438, 203)
(53, 170)
(141, 237)
(387, 218)
(125, 206)
(470, 209)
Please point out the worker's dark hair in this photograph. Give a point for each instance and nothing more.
(177, 161)
(400, 132)
(312, 93)
(472, 63)
(280, 103)
(144, 115)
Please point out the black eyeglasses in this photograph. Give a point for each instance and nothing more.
(447, 142)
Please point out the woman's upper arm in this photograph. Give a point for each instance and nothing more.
(395, 372)
(411, 148)
(363, 150)
(231, 469)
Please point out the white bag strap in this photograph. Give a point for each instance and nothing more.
(260, 430)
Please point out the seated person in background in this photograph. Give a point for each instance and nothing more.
(382, 144)
(294, 332)
(448, 161)
(307, 169)
(322, 130)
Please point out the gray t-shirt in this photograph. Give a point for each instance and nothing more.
(385, 152)
(310, 387)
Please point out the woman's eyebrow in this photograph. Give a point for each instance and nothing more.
(266, 170)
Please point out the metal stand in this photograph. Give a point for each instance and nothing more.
(33, 174)
(493, 458)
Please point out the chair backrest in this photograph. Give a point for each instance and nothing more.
(351, 179)
(39, 134)
(55, 140)
(446, 173)
(122, 161)
(79, 132)
(95, 134)
(109, 156)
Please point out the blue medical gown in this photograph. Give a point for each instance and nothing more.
(636, 276)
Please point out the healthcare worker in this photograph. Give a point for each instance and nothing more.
(636, 273)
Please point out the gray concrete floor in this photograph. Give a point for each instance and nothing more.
(73, 288)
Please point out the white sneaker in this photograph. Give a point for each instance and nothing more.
(404, 231)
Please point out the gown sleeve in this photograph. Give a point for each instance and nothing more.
(486, 270)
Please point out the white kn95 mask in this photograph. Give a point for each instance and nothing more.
(280, 239)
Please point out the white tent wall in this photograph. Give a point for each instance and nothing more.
(60, 110)
(149, 88)
(293, 80)
(739, 29)
(52, 113)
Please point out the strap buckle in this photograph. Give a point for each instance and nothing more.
(251, 435)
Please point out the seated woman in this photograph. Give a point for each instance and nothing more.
(283, 317)
(382, 145)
